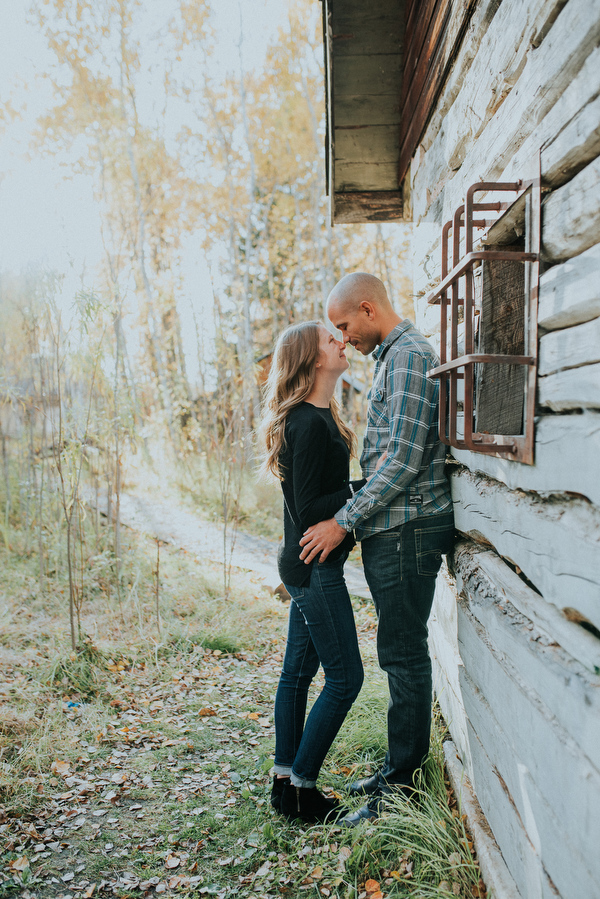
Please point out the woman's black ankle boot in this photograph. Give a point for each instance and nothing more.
(309, 805)
(277, 790)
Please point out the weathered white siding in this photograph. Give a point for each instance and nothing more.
(516, 626)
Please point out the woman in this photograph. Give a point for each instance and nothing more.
(308, 448)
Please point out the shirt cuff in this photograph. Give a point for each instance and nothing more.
(342, 519)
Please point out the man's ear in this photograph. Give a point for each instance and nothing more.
(368, 309)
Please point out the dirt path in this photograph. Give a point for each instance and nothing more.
(204, 539)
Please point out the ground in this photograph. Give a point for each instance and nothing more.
(139, 765)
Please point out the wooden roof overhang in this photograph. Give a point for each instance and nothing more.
(385, 64)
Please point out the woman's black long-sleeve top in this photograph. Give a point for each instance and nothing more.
(315, 462)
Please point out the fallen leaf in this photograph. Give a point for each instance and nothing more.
(172, 861)
(59, 767)
(254, 716)
(317, 873)
(178, 880)
(371, 886)
(89, 892)
(19, 864)
(207, 713)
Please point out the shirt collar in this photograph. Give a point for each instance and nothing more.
(391, 338)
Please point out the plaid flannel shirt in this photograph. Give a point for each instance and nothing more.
(402, 420)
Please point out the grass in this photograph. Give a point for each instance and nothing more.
(260, 509)
(157, 743)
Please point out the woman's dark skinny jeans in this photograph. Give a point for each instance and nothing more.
(321, 630)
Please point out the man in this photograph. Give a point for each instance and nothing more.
(403, 517)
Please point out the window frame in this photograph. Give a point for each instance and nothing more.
(456, 366)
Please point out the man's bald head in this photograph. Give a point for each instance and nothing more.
(355, 288)
(360, 308)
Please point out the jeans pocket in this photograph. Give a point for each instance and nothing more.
(295, 592)
(430, 544)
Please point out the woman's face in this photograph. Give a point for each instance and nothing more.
(332, 356)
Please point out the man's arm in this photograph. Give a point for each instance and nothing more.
(321, 538)
(411, 409)
(326, 535)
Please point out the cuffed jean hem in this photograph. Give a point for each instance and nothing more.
(284, 770)
(302, 782)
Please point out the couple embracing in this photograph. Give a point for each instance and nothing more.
(401, 511)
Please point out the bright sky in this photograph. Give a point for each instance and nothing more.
(48, 217)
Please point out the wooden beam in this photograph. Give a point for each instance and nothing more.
(424, 85)
(443, 648)
(367, 144)
(507, 133)
(533, 752)
(556, 545)
(507, 611)
(570, 293)
(359, 28)
(362, 177)
(571, 216)
(370, 76)
(570, 348)
(565, 391)
(367, 206)
(493, 867)
(575, 438)
(364, 110)
(527, 762)
(364, 74)
(576, 145)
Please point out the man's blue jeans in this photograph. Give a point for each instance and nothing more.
(401, 565)
(321, 630)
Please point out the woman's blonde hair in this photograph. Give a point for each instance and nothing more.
(290, 381)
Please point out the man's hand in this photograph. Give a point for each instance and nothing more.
(321, 538)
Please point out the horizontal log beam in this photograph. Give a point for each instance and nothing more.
(565, 391)
(506, 609)
(367, 206)
(577, 144)
(567, 458)
(571, 216)
(555, 544)
(570, 293)
(570, 348)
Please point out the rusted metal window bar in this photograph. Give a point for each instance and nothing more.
(455, 368)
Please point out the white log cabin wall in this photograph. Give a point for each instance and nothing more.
(515, 629)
